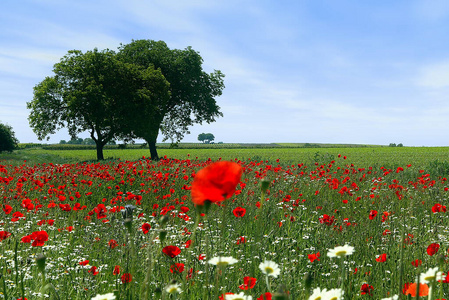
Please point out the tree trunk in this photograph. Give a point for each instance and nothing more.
(100, 151)
(153, 151)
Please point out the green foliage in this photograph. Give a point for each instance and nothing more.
(206, 137)
(8, 140)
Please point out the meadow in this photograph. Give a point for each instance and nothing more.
(74, 228)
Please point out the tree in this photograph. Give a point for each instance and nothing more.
(206, 137)
(88, 141)
(92, 92)
(8, 140)
(192, 91)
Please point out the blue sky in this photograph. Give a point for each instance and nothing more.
(337, 71)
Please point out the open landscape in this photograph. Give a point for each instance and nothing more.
(387, 203)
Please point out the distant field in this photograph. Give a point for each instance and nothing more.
(359, 156)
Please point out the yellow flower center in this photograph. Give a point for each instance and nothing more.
(340, 253)
(269, 270)
(222, 263)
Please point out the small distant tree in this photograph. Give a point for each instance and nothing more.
(400, 145)
(62, 142)
(8, 140)
(392, 145)
(206, 137)
(75, 141)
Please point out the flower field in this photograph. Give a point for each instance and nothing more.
(310, 225)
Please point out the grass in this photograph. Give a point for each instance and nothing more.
(377, 200)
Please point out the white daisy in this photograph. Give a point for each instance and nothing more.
(395, 297)
(340, 251)
(317, 294)
(240, 296)
(431, 275)
(222, 261)
(173, 288)
(333, 294)
(108, 296)
(270, 268)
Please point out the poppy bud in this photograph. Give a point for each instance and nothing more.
(40, 261)
(308, 280)
(162, 235)
(264, 184)
(163, 220)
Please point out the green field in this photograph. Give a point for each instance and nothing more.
(389, 204)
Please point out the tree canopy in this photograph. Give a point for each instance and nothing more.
(136, 92)
(8, 140)
(206, 137)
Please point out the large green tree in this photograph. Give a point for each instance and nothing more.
(8, 140)
(94, 92)
(192, 90)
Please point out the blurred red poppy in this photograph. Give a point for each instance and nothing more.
(248, 283)
(171, 251)
(313, 257)
(239, 212)
(423, 289)
(372, 214)
(4, 235)
(366, 289)
(126, 277)
(177, 268)
(146, 228)
(382, 258)
(433, 248)
(266, 296)
(216, 182)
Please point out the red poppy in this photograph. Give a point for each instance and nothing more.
(216, 182)
(93, 270)
(112, 244)
(177, 268)
(7, 209)
(382, 258)
(366, 289)
(39, 238)
(438, 208)
(239, 212)
(171, 251)
(84, 262)
(313, 257)
(241, 240)
(266, 296)
(188, 244)
(223, 296)
(146, 228)
(248, 283)
(417, 262)
(411, 289)
(372, 214)
(4, 235)
(126, 277)
(433, 248)
(116, 270)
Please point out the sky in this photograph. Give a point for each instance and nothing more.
(299, 71)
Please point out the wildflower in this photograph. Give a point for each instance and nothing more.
(431, 275)
(171, 251)
(126, 278)
(146, 228)
(93, 270)
(366, 289)
(372, 214)
(270, 268)
(239, 212)
(84, 262)
(417, 262)
(116, 270)
(173, 288)
(248, 283)
(177, 268)
(4, 235)
(265, 296)
(222, 261)
(240, 296)
(108, 296)
(341, 251)
(382, 258)
(317, 294)
(216, 182)
(433, 248)
(423, 289)
(313, 257)
(333, 294)
(395, 297)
